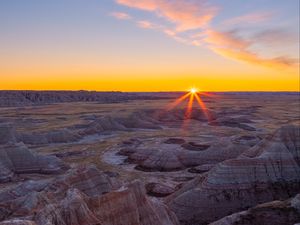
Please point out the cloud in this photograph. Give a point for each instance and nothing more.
(121, 15)
(250, 18)
(229, 45)
(273, 37)
(226, 39)
(186, 15)
(146, 24)
(189, 22)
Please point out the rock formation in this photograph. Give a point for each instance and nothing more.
(27, 98)
(109, 123)
(159, 190)
(276, 213)
(7, 133)
(265, 172)
(167, 158)
(18, 159)
(82, 196)
(58, 136)
(17, 222)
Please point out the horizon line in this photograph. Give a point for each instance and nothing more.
(178, 91)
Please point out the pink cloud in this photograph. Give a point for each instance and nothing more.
(121, 15)
(195, 16)
(146, 24)
(186, 15)
(229, 45)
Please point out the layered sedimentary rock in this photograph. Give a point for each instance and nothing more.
(17, 222)
(136, 120)
(167, 158)
(31, 196)
(266, 172)
(83, 196)
(159, 190)
(18, 159)
(249, 140)
(142, 119)
(103, 124)
(275, 213)
(122, 207)
(7, 133)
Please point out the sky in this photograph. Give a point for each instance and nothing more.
(149, 45)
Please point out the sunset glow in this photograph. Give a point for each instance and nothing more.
(149, 45)
(193, 95)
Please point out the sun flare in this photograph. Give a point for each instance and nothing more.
(192, 95)
(193, 90)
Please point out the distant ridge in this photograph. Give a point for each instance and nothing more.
(30, 98)
(13, 98)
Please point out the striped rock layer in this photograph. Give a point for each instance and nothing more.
(275, 213)
(265, 172)
(84, 196)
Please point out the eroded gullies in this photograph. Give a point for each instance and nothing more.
(245, 156)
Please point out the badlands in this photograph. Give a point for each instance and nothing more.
(90, 158)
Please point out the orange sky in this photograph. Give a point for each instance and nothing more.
(149, 45)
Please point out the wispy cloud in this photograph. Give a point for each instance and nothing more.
(147, 24)
(273, 37)
(189, 22)
(228, 44)
(250, 18)
(121, 15)
(186, 15)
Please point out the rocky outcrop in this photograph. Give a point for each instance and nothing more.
(249, 140)
(195, 146)
(166, 158)
(201, 169)
(7, 133)
(18, 159)
(266, 172)
(159, 190)
(128, 205)
(104, 124)
(83, 196)
(275, 213)
(137, 120)
(17, 222)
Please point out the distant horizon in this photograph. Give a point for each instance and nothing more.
(178, 91)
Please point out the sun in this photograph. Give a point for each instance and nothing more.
(192, 95)
(193, 90)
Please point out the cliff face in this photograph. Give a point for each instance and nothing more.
(268, 171)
